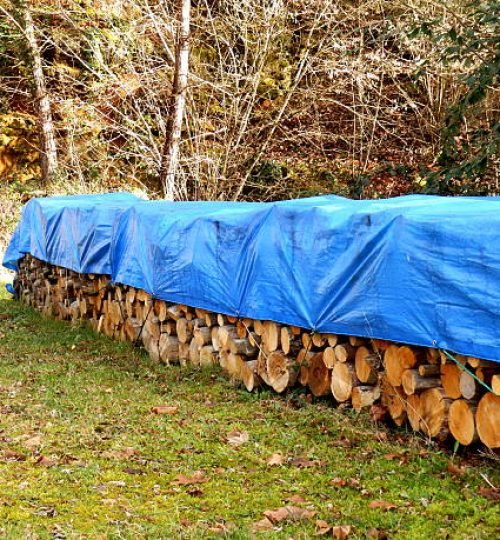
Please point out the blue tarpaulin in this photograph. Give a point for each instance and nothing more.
(422, 270)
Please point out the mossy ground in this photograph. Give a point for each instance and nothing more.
(81, 454)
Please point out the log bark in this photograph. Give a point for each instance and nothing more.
(413, 382)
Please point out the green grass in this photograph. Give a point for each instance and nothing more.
(79, 400)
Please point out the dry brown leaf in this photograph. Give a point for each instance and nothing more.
(195, 492)
(378, 412)
(275, 460)
(237, 437)
(297, 499)
(130, 470)
(341, 531)
(384, 505)
(339, 482)
(44, 461)
(304, 463)
(493, 494)
(165, 409)
(455, 469)
(12, 455)
(198, 477)
(322, 528)
(289, 513)
(263, 525)
(33, 443)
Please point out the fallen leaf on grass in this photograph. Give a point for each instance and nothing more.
(384, 505)
(275, 460)
(341, 531)
(376, 533)
(12, 455)
(126, 453)
(237, 437)
(378, 412)
(454, 469)
(197, 478)
(305, 463)
(493, 494)
(130, 470)
(33, 442)
(289, 513)
(339, 482)
(263, 525)
(46, 511)
(195, 492)
(296, 499)
(164, 409)
(322, 528)
(44, 461)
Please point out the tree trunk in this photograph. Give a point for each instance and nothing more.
(170, 156)
(46, 126)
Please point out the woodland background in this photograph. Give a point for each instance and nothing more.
(285, 98)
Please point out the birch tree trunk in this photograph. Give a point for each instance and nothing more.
(170, 155)
(46, 126)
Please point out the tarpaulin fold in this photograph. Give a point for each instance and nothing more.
(422, 270)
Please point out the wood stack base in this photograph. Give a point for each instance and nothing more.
(419, 387)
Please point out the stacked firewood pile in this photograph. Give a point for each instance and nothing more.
(434, 393)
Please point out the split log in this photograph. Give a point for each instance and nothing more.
(303, 362)
(169, 349)
(208, 356)
(413, 410)
(290, 344)
(242, 346)
(261, 367)
(319, 340)
(394, 399)
(332, 339)
(397, 360)
(344, 352)
(364, 396)
(202, 335)
(319, 376)
(249, 376)
(356, 341)
(329, 357)
(226, 333)
(270, 336)
(434, 406)
(343, 380)
(133, 328)
(412, 381)
(462, 423)
(367, 364)
(450, 380)
(495, 384)
(281, 371)
(488, 420)
(469, 387)
(429, 370)
(184, 329)
(194, 353)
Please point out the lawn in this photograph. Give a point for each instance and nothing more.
(83, 455)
